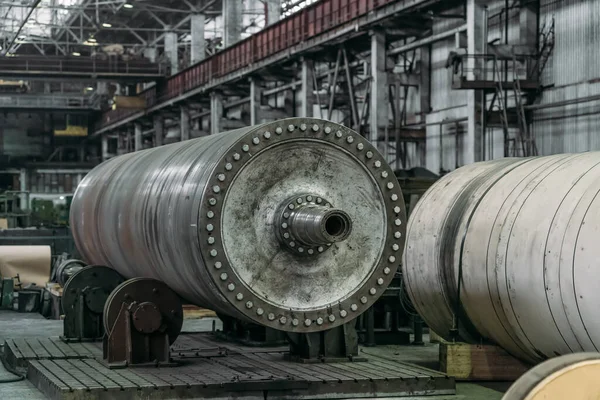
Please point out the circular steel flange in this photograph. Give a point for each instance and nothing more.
(287, 292)
(97, 281)
(153, 303)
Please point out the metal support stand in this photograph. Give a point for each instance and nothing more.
(387, 321)
(143, 317)
(249, 334)
(335, 345)
(83, 300)
(418, 330)
(370, 339)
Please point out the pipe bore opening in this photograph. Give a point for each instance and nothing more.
(309, 224)
(337, 225)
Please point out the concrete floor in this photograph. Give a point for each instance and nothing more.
(13, 325)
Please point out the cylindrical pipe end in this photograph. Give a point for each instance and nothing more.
(317, 225)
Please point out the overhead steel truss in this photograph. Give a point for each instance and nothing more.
(65, 26)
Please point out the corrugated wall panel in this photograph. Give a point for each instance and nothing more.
(570, 128)
(573, 70)
(576, 55)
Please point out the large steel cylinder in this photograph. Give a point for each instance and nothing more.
(521, 236)
(296, 224)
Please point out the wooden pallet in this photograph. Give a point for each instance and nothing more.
(479, 362)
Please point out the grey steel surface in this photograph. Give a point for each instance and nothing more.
(529, 257)
(200, 215)
(242, 372)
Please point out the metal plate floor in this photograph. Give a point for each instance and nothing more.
(210, 369)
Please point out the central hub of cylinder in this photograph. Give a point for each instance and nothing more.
(310, 224)
(316, 225)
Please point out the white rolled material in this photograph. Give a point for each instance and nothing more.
(524, 232)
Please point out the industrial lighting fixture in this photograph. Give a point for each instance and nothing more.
(107, 25)
(127, 5)
(62, 197)
(92, 40)
(76, 54)
(89, 88)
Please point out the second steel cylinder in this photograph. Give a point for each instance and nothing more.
(508, 250)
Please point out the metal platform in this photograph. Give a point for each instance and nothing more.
(216, 370)
(40, 102)
(69, 67)
(491, 85)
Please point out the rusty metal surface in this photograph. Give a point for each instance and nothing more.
(162, 305)
(200, 216)
(143, 317)
(95, 282)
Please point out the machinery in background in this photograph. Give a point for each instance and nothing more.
(59, 239)
(44, 213)
(18, 297)
(71, 125)
(7, 290)
(14, 210)
(392, 318)
(65, 267)
(83, 300)
(13, 86)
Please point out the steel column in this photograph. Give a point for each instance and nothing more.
(171, 51)
(307, 97)
(198, 42)
(184, 123)
(273, 10)
(216, 112)
(379, 88)
(138, 140)
(475, 98)
(232, 21)
(255, 101)
(104, 147)
(159, 130)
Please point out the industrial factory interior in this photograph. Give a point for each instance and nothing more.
(299, 199)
